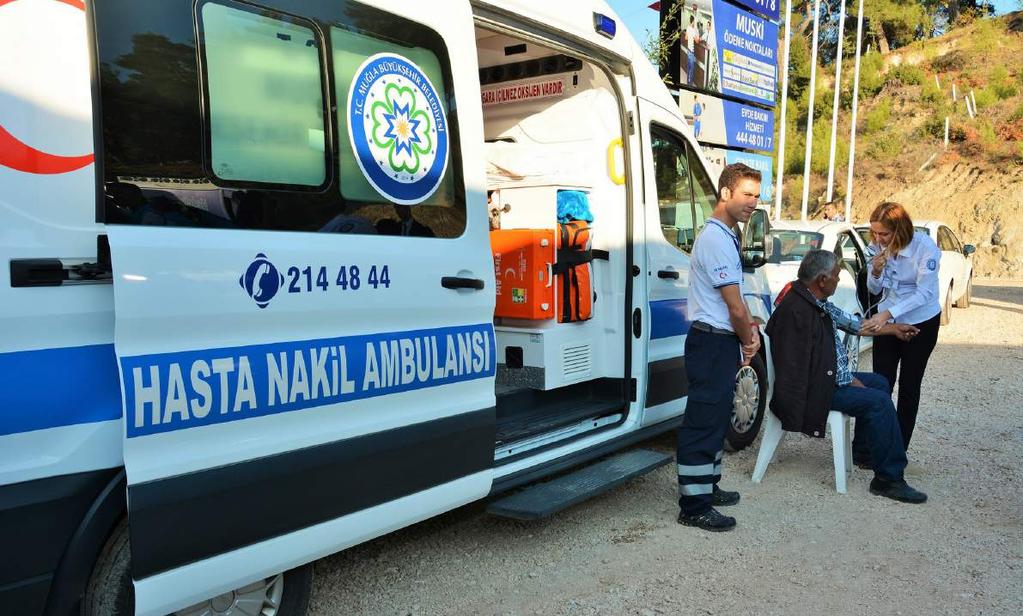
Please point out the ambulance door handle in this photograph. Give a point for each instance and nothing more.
(665, 274)
(457, 282)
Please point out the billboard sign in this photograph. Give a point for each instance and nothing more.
(728, 50)
(764, 7)
(760, 162)
(721, 122)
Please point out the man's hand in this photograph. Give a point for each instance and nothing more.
(874, 325)
(751, 349)
(903, 331)
(878, 262)
(857, 383)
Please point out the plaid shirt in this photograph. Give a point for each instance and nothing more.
(841, 320)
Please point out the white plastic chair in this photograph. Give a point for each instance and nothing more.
(840, 428)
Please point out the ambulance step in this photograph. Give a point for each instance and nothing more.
(545, 499)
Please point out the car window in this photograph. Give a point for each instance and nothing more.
(956, 244)
(849, 252)
(679, 221)
(788, 246)
(945, 242)
(865, 234)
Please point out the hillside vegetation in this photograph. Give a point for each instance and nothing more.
(975, 185)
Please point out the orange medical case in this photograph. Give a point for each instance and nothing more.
(523, 259)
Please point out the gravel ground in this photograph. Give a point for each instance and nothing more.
(800, 548)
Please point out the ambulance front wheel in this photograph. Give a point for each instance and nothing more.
(748, 405)
(111, 592)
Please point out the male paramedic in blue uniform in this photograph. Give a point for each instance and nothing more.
(721, 337)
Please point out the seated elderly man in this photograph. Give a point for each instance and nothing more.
(812, 373)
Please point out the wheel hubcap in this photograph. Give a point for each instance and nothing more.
(852, 349)
(747, 399)
(262, 598)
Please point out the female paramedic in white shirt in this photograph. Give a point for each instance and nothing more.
(905, 273)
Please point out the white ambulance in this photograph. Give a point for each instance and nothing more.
(249, 310)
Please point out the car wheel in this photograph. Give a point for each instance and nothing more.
(964, 301)
(946, 310)
(111, 592)
(748, 405)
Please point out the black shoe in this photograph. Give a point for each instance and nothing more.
(723, 498)
(708, 520)
(897, 490)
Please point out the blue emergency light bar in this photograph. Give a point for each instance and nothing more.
(604, 25)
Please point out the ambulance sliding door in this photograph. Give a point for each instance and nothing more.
(303, 282)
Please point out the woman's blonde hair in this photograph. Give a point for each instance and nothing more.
(896, 219)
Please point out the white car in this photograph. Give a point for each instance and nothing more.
(787, 241)
(955, 275)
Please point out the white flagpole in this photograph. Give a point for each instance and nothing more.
(780, 170)
(855, 106)
(809, 115)
(834, 105)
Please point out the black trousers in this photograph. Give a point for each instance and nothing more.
(909, 359)
(711, 364)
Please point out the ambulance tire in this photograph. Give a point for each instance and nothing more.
(751, 393)
(111, 593)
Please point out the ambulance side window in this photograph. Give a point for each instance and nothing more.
(265, 90)
(674, 188)
(703, 189)
(237, 116)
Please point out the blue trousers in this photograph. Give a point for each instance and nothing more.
(711, 364)
(690, 66)
(876, 420)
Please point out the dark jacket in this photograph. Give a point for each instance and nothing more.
(803, 353)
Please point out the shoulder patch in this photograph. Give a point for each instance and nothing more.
(932, 264)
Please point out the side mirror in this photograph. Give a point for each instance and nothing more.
(969, 249)
(753, 258)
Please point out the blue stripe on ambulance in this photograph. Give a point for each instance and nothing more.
(173, 391)
(50, 388)
(669, 317)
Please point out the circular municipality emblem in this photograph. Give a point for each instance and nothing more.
(397, 128)
(261, 280)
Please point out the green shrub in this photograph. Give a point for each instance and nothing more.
(985, 98)
(1016, 114)
(908, 75)
(987, 34)
(821, 150)
(1019, 151)
(886, 146)
(877, 118)
(998, 73)
(794, 150)
(1003, 90)
(934, 126)
(988, 136)
(931, 94)
(871, 79)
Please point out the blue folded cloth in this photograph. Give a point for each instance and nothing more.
(573, 205)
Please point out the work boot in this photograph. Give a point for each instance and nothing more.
(896, 490)
(708, 520)
(724, 498)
